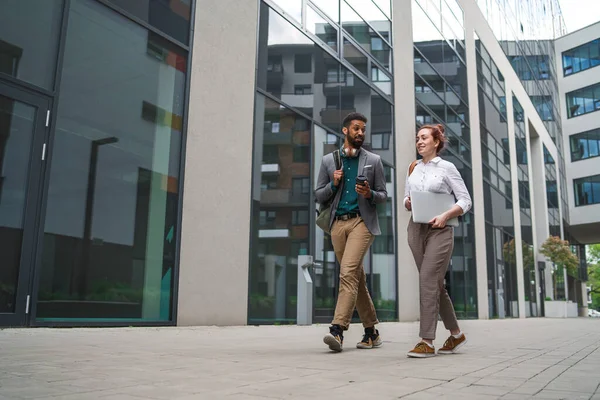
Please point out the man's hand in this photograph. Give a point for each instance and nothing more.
(439, 221)
(338, 174)
(364, 190)
(408, 204)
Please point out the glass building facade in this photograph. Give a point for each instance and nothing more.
(441, 97)
(317, 62)
(92, 100)
(525, 31)
(499, 226)
(528, 253)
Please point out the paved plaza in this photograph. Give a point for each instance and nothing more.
(508, 359)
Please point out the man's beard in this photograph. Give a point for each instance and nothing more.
(354, 143)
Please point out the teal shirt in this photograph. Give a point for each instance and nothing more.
(349, 199)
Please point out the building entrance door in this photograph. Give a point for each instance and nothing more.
(23, 123)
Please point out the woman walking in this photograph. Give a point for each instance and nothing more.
(431, 244)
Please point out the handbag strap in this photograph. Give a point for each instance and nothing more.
(412, 167)
(337, 159)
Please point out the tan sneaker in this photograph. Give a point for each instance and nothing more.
(452, 344)
(334, 339)
(422, 350)
(371, 339)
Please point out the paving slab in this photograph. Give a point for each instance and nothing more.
(539, 358)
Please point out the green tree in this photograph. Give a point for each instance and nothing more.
(510, 254)
(560, 254)
(593, 261)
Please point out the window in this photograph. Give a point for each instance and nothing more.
(269, 182)
(587, 190)
(581, 58)
(302, 89)
(301, 124)
(380, 141)
(531, 67)
(270, 154)
(585, 145)
(29, 32)
(322, 29)
(301, 185)
(300, 217)
(267, 218)
(376, 43)
(303, 63)
(118, 241)
(301, 154)
(583, 101)
(552, 193)
(274, 64)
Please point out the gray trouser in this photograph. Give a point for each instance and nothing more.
(432, 250)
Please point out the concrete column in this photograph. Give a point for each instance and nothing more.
(213, 278)
(404, 128)
(539, 204)
(514, 178)
(476, 157)
(534, 223)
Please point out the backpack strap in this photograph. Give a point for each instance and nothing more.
(412, 167)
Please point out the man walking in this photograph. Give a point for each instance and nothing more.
(353, 225)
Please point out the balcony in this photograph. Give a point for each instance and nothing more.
(277, 137)
(270, 169)
(284, 198)
(331, 116)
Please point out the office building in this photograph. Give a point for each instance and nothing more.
(158, 158)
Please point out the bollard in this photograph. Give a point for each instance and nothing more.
(304, 304)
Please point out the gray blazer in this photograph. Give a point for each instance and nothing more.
(369, 165)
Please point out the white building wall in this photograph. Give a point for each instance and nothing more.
(589, 215)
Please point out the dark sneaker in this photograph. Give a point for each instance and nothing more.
(422, 350)
(334, 339)
(370, 340)
(452, 344)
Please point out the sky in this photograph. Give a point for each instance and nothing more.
(580, 13)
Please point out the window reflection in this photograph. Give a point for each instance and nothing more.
(373, 15)
(329, 7)
(304, 77)
(291, 7)
(366, 36)
(583, 101)
(581, 58)
(170, 16)
(587, 190)
(441, 97)
(29, 33)
(109, 243)
(317, 25)
(280, 210)
(498, 200)
(585, 145)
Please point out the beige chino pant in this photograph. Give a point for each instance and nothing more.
(351, 240)
(432, 250)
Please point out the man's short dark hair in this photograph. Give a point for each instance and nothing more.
(352, 117)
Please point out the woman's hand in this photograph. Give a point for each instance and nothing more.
(407, 204)
(439, 221)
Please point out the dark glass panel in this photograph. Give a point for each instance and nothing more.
(29, 33)
(169, 16)
(109, 244)
(280, 207)
(17, 126)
